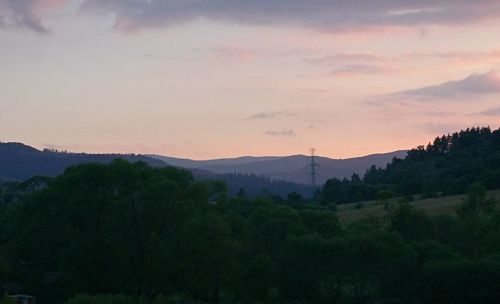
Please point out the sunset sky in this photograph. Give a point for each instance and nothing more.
(221, 78)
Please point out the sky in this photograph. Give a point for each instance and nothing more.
(222, 78)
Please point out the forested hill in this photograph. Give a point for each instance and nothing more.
(448, 165)
(20, 162)
(292, 168)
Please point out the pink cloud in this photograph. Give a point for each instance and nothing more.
(355, 69)
(464, 57)
(26, 14)
(327, 16)
(125, 25)
(281, 133)
(442, 128)
(475, 84)
(49, 4)
(237, 53)
(491, 112)
(342, 57)
(347, 64)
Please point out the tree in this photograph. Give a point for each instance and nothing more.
(303, 266)
(475, 215)
(105, 228)
(294, 198)
(461, 282)
(411, 223)
(476, 203)
(321, 223)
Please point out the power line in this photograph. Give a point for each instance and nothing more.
(313, 166)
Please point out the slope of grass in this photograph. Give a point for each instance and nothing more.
(347, 213)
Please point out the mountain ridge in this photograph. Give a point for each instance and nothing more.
(292, 168)
(20, 162)
(275, 174)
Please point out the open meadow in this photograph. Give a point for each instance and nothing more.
(348, 213)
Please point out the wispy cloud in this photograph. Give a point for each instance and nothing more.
(440, 128)
(25, 14)
(269, 115)
(343, 57)
(353, 69)
(20, 14)
(323, 15)
(238, 53)
(473, 85)
(281, 133)
(346, 64)
(333, 15)
(479, 56)
(491, 112)
(456, 56)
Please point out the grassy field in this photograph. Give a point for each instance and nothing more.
(347, 213)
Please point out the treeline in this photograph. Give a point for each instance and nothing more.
(253, 185)
(446, 166)
(128, 233)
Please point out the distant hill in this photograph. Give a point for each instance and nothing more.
(256, 175)
(258, 185)
(288, 168)
(205, 164)
(20, 162)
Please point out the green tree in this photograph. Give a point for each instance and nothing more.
(411, 223)
(475, 222)
(321, 223)
(103, 229)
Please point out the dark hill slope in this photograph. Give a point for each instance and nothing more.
(20, 162)
(447, 166)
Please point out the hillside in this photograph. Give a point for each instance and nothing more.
(205, 164)
(349, 213)
(289, 168)
(254, 185)
(446, 166)
(20, 162)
